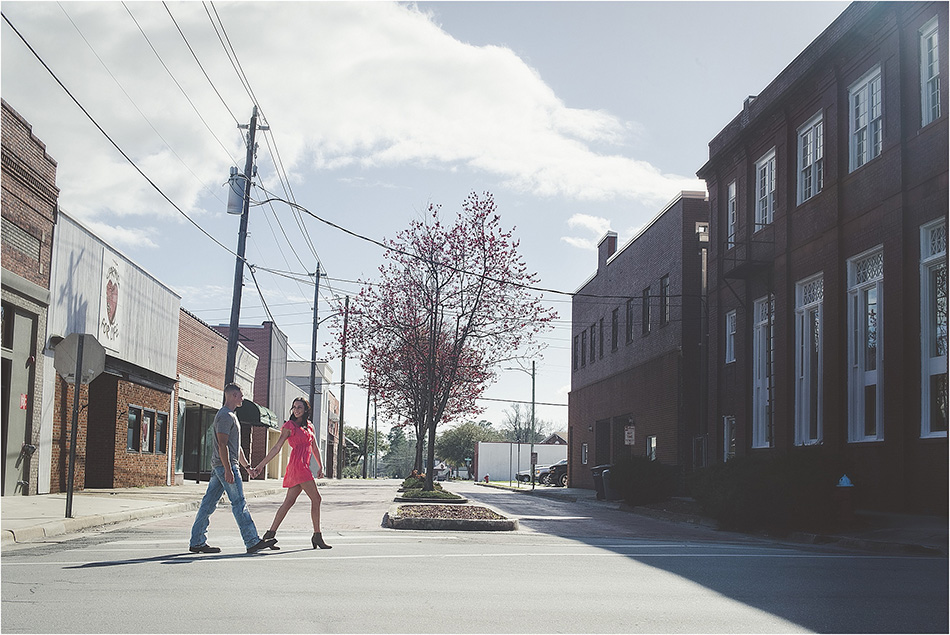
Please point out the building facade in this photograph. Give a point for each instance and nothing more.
(828, 263)
(637, 327)
(29, 212)
(126, 435)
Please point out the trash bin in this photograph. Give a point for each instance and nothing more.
(598, 473)
(610, 493)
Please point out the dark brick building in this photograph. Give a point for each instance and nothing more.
(827, 261)
(636, 346)
(29, 212)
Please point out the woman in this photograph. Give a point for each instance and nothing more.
(299, 431)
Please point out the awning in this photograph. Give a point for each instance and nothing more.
(250, 413)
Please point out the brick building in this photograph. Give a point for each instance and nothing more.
(29, 212)
(827, 262)
(636, 346)
(126, 434)
(202, 356)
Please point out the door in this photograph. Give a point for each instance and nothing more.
(19, 333)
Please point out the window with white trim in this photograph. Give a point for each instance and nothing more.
(933, 329)
(929, 74)
(730, 337)
(866, 118)
(728, 437)
(765, 190)
(810, 158)
(809, 296)
(731, 216)
(763, 347)
(651, 447)
(865, 346)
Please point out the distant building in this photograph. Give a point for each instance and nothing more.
(828, 258)
(298, 375)
(29, 210)
(636, 346)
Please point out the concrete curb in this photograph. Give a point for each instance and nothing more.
(432, 501)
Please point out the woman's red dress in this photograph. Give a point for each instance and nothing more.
(301, 441)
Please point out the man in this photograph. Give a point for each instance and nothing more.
(226, 478)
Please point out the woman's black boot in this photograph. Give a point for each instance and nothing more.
(317, 541)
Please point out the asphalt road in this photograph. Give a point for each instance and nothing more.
(569, 568)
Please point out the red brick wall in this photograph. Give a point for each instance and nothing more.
(202, 351)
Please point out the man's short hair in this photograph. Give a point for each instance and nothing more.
(232, 387)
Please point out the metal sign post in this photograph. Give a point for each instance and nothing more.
(76, 346)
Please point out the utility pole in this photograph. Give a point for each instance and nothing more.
(252, 128)
(533, 460)
(313, 351)
(342, 436)
(369, 392)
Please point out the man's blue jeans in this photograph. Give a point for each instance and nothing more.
(235, 491)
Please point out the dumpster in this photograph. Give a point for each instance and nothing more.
(598, 473)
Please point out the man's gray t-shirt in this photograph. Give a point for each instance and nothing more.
(226, 422)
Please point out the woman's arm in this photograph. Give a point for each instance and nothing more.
(284, 433)
(316, 453)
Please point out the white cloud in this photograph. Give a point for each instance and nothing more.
(123, 238)
(342, 84)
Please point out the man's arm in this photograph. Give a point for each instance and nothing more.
(224, 456)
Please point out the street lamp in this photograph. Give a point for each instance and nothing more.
(532, 459)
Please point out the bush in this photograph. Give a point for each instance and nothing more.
(641, 481)
(439, 493)
(417, 482)
(794, 491)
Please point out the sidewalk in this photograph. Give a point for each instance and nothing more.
(30, 518)
(871, 531)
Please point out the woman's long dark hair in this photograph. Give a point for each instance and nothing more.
(306, 412)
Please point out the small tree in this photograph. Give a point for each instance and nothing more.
(517, 425)
(458, 443)
(452, 304)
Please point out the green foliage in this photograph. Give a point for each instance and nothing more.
(438, 493)
(794, 491)
(641, 481)
(458, 443)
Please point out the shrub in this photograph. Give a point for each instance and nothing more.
(793, 491)
(641, 481)
(419, 494)
(417, 482)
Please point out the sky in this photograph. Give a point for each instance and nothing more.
(578, 117)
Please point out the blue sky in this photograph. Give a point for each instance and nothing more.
(578, 116)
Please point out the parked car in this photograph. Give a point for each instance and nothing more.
(558, 474)
(544, 473)
(523, 476)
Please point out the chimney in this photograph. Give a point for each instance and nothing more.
(606, 248)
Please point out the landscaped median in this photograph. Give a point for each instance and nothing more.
(442, 510)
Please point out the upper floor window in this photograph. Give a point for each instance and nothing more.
(933, 329)
(645, 312)
(584, 348)
(614, 329)
(730, 337)
(601, 340)
(665, 300)
(765, 190)
(629, 321)
(593, 343)
(929, 74)
(575, 354)
(811, 159)
(731, 216)
(866, 118)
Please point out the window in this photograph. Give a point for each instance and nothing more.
(574, 355)
(929, 74)
(811, 159)
(728, 437)
(651, 448)
(730, 337)
(865, 346)
(161, 432)
(601, 341)
(765, 190)
(629, 321)
(731, 216)
(148, 431)
(645, 312)
(664, 300)
(135, 427)
(866, 119)
(809, 295)
(762, 352)
(584, 348)
(615, 329)
(593, 343)
(933, 324)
